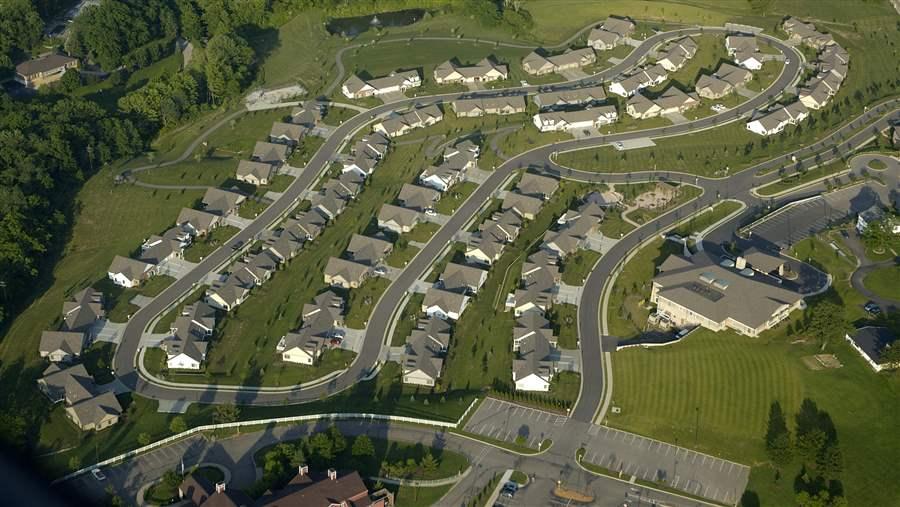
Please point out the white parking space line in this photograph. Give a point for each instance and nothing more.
(704, 460)
(675, 484)
(507, 434)
(722, 465)
(694, 458)
(668, 449)
(730, 467)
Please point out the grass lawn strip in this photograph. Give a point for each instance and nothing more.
(201, 247)
(885, 282)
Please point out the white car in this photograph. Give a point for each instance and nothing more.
(618, 145)
(430, 212)
(380, 270)
(98, 474)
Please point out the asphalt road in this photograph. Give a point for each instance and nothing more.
(126, 354)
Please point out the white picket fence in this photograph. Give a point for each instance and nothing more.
(260, 422)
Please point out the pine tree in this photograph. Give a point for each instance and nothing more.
(778, 437)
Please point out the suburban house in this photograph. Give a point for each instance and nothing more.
(700, 291)
(321, 319)
(433, 338)
(737, 43)
(535, 185)
(493, 235)
(748, 60)
(129, 273)
(400, 124)
(271, 153)
(871, 342)
(777, 119)
(525, 206)
(484, 71)
(538, 64)
(835, 60)
(817, 92)
(255, 173)
(463, 279)
(346, 274)
(533, 370)
(592, 117)
(476, 107)
(308, 115)
(644, 77)
(331, 489)
(396, 82)
(673, 101)
(44, 70)
(417, 197)
(443, 304)
(330, 203)
(286, 133)
(397, 219)
(677, 54)
(85, 406)
(366, 154)
(368, 251)
(61, 346)
(420, 365)
(539, 280)
(530, 324)
(311, 223)
(578, 97)
(573, 234)
(230, 293)
(82, 311)
(159, 249)
(723, 82)
(222, 202)
(641, 107)
(197, 222)
(456, 161)
(806, 33)
(186, 347)
(610, 33)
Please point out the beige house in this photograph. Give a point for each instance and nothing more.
(97, 413)
(482, 72)
(44, 70)
(490, 105)
(397, 219)
(538, 64)
(255, 173)
(346, 274)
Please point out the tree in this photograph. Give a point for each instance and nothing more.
(778, 437)
(321, 447)
(227, 413)
(144, 439)
(362, 447)
(20, 29)
(338, 441)
(830, 462)
(826, 320)
(429, 464)
(228, 59)
(171, 480)
(177, 425)
(74, 463)
(878, 235)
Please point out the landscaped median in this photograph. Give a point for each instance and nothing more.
(802, 178)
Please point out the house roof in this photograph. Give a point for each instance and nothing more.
(605, 36)
(575, 229)
(763, 261)
(418, 197)
(419, 356)
(292, 131)
(199, 490)
(533, 353)
(733, 75)
(187, 344)
(394, 125)
(74, 383)
(198, 219)
(221, 202)
(523, 204)
(673, 97)
(700, 284)
(69, 342)
(270, 152)
(578, 116)
(401, 216)
(872, 340)
(490, 104)
(319, 491)
(85, 307)
(328, 302)
(346, 270)
(394, 79)
(741, 43)
(620, 26)
(537, 185)
(641, 104)
(434, 343)
(713, 84)
(479, 70)
(44, 64)
(368, 250)
(307, 115)
(259, 170)
(445, 300)
(577, 96)
(132, 269)
(459, 277)
(354, 84)
(96, 409)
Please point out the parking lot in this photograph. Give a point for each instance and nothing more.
(651, 460)
(505, 421)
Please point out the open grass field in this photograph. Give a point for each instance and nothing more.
(406, 322)
(211, 171)
(613, 225)
(454, 197)
(796, 179)
(710, 54)
(422, 232)
(576, 267)
(362, 301)
(480, 353)
(401, 255)
(200, 248)
(119, 307)
(885, 282)
(238, 137)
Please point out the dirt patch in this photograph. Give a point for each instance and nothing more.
(821, 362)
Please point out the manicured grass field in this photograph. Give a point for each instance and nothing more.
(252, 208)
(576, 267)
(401, 255)
(454, 197)
(279, 183)
(209, 171)
(118, 300)
(613, 226)
(710, 53)
(335, 116)
(564, 319)
(795, 179)
(97, 361)
(308, 147)
(406, 322)
(422, 232)
(200, 248)
(885, 282)
(362, 301)
(238, 137)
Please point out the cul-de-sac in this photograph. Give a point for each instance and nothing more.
(461, 253)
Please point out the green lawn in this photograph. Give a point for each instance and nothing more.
(796, 179)
(118, 300)
(202, 247)
(454, 197)
(700, 221)
(401, 255)
(308, 147)
(685, 194)
(363, 300)
(710, 53)
(209, 171)
(885, 282)
(409, 496)
(564, 320)
(613, 226)
(627, 314)
(422, 232)
(406, 322)
(481, 354)
(279, 183)
(335, 116)
(98, 361)
(577, 266)
(565, 386)
(238, 137)
(252, 207)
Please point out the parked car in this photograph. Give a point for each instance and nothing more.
(618, 145)
(873, 308)
(98, 474)
(238, 245)
(430, 212)
(380, 271)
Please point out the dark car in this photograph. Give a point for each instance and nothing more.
(872, 307)
(238, 245)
